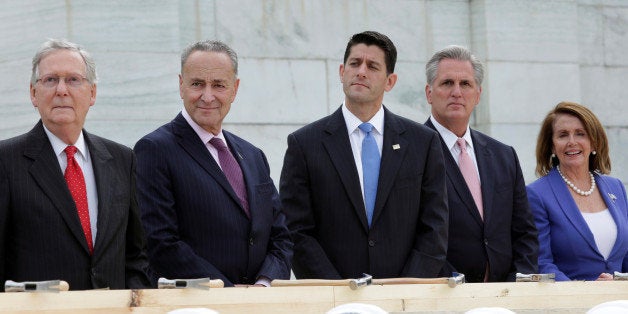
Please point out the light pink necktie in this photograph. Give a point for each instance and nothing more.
(470, 175)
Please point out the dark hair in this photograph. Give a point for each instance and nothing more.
(380, 40)
(600, 162)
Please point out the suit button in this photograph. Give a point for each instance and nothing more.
(250, 241)
(371, 243)
(485, 241)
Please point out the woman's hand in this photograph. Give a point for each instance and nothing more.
(604, 277)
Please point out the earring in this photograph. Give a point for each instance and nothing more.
(593, 153)
(551, 161)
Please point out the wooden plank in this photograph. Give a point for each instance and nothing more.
(241, 300)
(560, 297)
(514, 296)
(74, 300)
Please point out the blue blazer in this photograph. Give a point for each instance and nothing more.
(195, 224)
(567, 246)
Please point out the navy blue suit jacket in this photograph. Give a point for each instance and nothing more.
(507, 237)
(567, 246)
(41, 237)
(195, 224)
(322, 198)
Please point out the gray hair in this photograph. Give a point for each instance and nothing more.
(457, 53)
(213, 46)
(52, 45)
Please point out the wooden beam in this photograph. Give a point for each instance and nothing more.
(528, 297)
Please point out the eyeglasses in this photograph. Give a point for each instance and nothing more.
(52, 80)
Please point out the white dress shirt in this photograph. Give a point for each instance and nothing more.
(604, 230)
(450, 140)
(205, 136)
(356, 136)
(84, 161)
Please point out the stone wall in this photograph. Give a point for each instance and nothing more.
(537, 53)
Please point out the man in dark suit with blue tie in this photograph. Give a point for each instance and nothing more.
(491, 229)
(208, 203)
(67, 197)
(363, 189)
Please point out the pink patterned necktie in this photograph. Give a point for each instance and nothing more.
(470, 175)
(232, 171)
(76, 183)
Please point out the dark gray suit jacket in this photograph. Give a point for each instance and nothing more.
(507, 238)
(40, 233)
(195, 224)
(322, 199)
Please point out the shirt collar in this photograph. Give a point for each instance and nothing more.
(202, 133)
(449, 137)
(59, 146)
(353, 122)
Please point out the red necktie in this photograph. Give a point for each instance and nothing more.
(232, 171)
(76, 184)
(470, 175)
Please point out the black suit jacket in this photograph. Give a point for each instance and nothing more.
(507, 238)
(40, 233)
(195, 224)
(323, 202)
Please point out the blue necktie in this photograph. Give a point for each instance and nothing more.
(370, 169)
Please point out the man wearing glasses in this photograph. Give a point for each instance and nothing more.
(67, 197)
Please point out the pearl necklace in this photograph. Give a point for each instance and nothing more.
(574, 187)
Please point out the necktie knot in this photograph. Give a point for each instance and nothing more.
(462, 144)
(218, 144)
(366, 127)
(70, 151)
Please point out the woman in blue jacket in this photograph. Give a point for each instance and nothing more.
(580, 212)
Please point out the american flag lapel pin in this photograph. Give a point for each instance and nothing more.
(396, 146)
(612, 196)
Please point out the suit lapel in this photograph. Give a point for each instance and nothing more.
(191, 144)
(620, 221)
(336, 142)
(457, 180)
(394, 149)
(46, 172)
(484, 158)
(569, 208)
(104, 170)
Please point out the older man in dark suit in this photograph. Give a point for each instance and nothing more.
(67, 197)
(208, 203)
(351, 211)
(491, 230)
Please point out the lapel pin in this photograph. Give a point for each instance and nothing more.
(396, 146)
(240, 156)
(612, 196)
